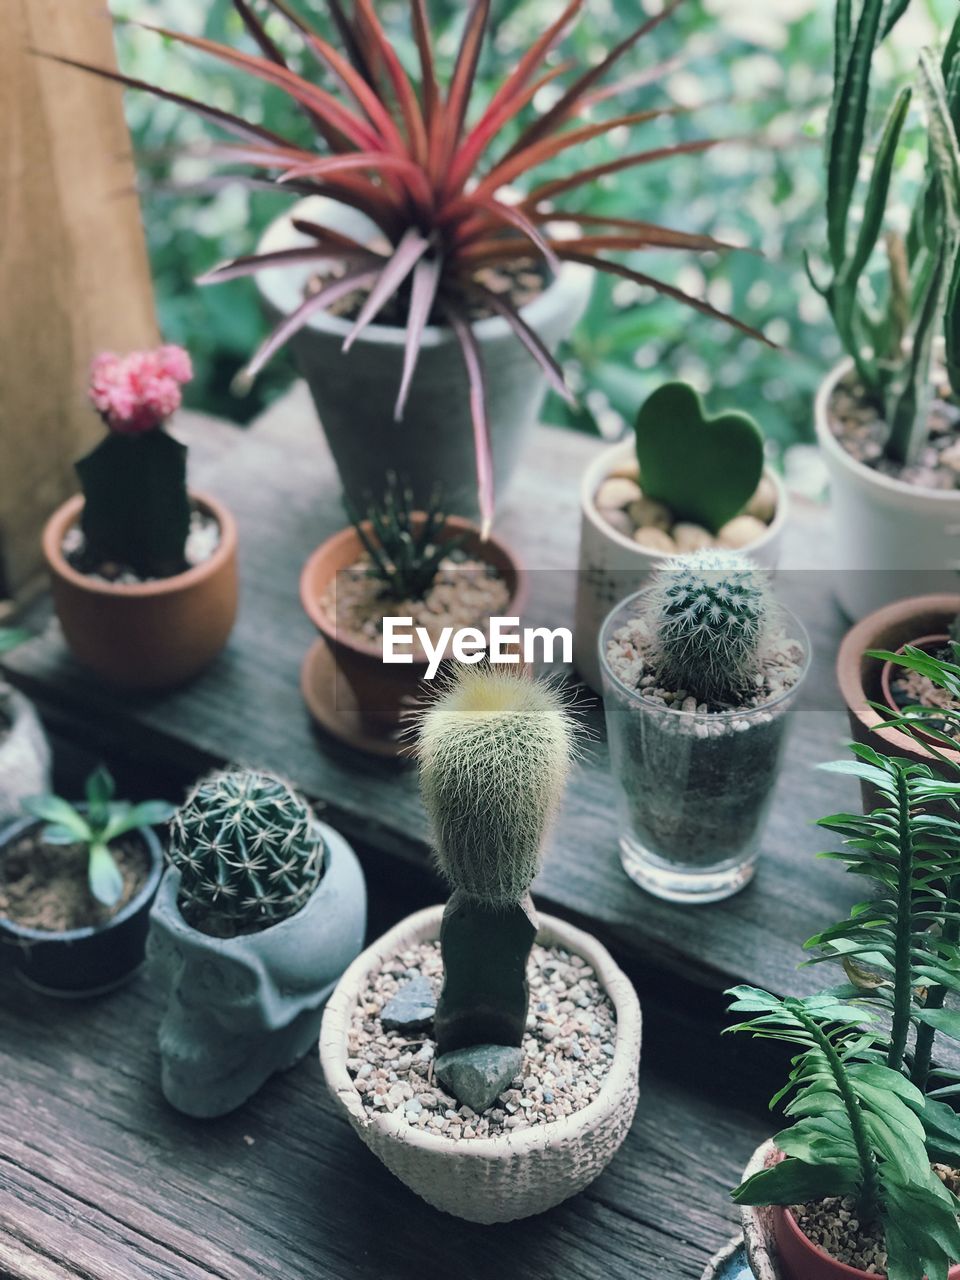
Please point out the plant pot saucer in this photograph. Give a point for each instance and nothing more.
(333, 705)
(730, 1263)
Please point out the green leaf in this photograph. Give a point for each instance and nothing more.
(105, 880)
(794, 1182)
(100, 789)
(875, 205)
(946, 1020)
(52, 809)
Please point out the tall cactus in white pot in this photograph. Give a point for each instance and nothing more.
(888, 416)
(443, 1044)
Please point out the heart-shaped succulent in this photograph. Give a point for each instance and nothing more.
(705, 469)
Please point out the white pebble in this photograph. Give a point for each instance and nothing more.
(763, 504)
(617, 492)
(741, 531)
(648, 513)
(691, 537)
(654, 540)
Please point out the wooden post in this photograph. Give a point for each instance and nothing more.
(74, 277)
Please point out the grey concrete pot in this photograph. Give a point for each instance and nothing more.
(355, 393)
(24, 753)
(240, 1009)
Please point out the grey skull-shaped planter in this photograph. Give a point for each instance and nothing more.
(240, 1009)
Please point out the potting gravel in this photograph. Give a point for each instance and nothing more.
(632, 659)
(203, 538)
(567, 1050)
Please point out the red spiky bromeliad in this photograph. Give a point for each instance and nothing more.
(405, 156)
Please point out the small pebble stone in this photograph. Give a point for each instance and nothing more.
(617, 492)
(741, 531)
(648, 513)
(691, 537)
(654, 540)
(763, 504)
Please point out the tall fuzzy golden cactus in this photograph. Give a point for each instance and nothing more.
(495, 751)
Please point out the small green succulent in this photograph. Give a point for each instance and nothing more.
(405, 551)
(96, 825)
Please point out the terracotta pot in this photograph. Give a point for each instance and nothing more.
(521, 1172)
(612, 566)
(88, 961)
(861, 677)
(149, 635)
(383, 693)
(776, 1247)
(929, 644)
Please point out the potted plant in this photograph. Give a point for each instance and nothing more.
(849, 1184)
(872, 650)
(502, 1103)
(900, 953)
(24, 750)
(143, 572)
(75, 893)
(259, 912)
(418, 228)
(701, 671)
(432, 569)
(685, 481)
(887, 417)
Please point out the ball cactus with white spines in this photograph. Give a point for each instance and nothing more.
(710, 613)
(248, 851)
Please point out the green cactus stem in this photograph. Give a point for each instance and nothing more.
(136, 510)
(248, 850)
(494, 753)
(709, 614)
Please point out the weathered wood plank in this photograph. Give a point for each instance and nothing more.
(101, 1180)
(73, 266)
(279, 481)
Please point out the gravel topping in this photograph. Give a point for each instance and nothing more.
(567, 1050)
(465, 593)
(203, 539)
(862, 431)
(631, 655)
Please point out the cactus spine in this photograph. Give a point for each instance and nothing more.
(709, 614)
(248, 851)
(494, 754)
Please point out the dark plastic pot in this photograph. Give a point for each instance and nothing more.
(89, 961)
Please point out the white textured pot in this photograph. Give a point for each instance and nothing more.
(24, 753)
(890, 539)
(355, 393)
(521, 1172)
(612, 566)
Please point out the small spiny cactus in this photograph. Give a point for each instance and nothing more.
(494, 751)
(248, 851)
(710, 614)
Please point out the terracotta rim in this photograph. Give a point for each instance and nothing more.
(861, 637)
(843, 1269)
(599, 469)
(424, 925)
(348, 536)
(67, 515)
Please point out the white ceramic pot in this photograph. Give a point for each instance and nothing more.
(24, 753)
(521, 1172)
(891, 539)
(355, 393)
(612, 566)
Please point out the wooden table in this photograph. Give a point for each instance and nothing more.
(107, 1182)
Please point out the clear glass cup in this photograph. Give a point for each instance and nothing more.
(693, 788)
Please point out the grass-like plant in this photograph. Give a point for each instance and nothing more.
(891, 339)
(405, 550)
(415, 157)
(856, 1131)
(96, 826)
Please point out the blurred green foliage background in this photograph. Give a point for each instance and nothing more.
(759, 73)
